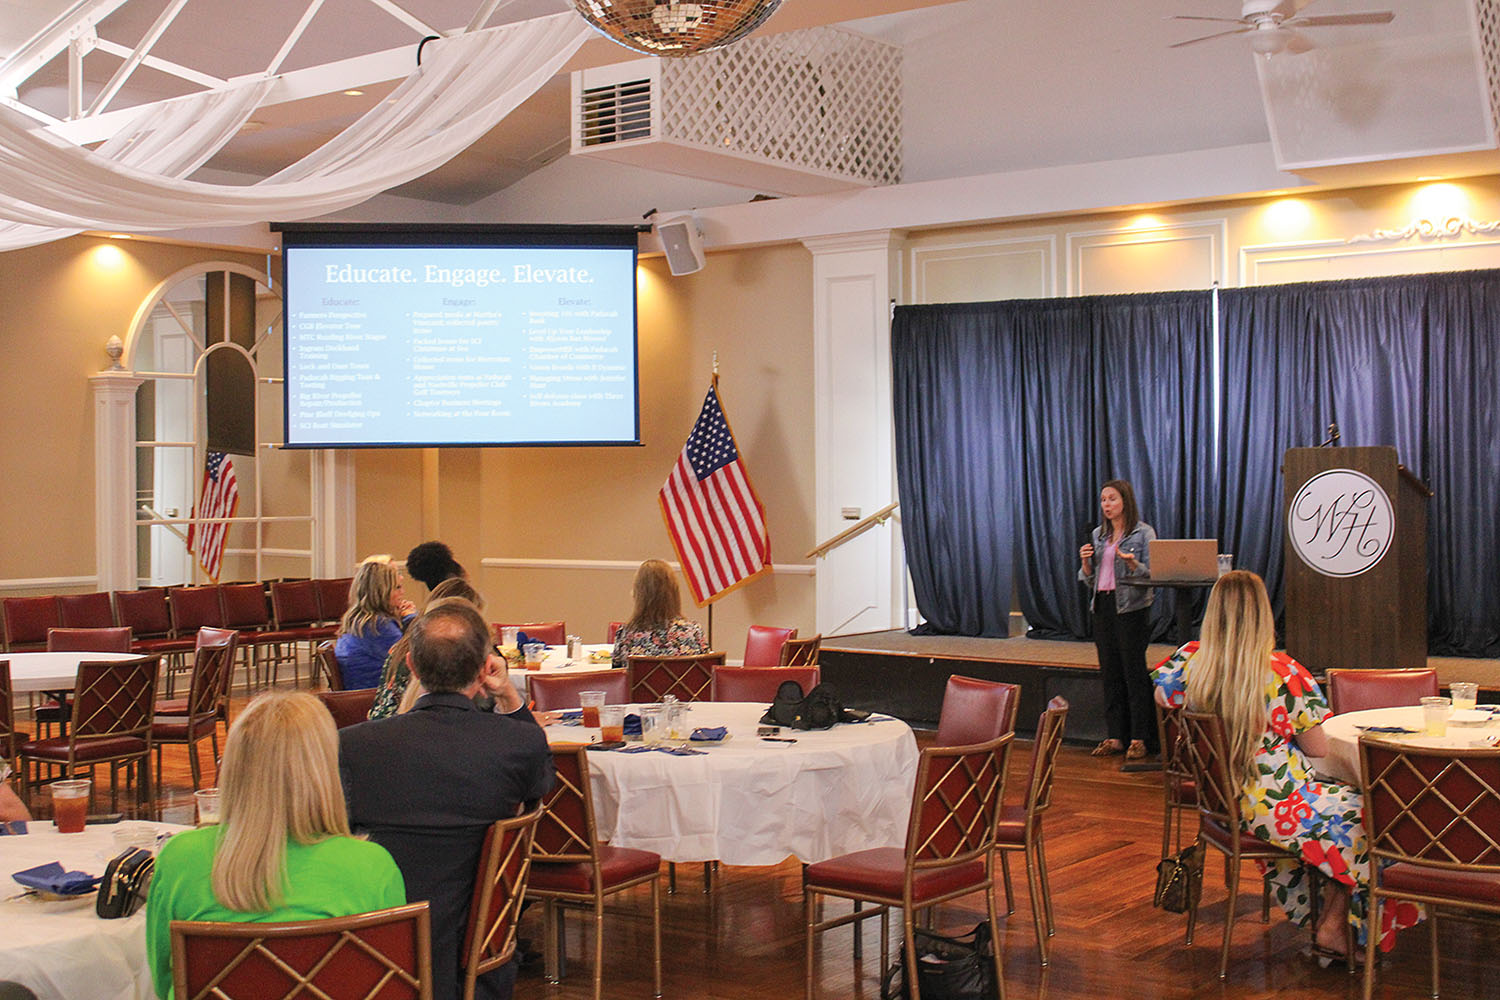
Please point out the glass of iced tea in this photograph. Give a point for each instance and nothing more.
(590, 701)
(70, 804)
(612, 724)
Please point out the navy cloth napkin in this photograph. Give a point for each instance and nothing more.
(709, 734)
(632, 725)
(51, 877)
(1386, 729)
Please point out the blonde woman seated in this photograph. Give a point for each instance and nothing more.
(378, 613)
(1273, 711)
(656, 626)
(282, 849)
(395, 679)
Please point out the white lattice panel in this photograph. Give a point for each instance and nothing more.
(1488, 17)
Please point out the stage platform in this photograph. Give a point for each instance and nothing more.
(904, 675)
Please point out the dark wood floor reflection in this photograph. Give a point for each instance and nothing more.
(744, 939)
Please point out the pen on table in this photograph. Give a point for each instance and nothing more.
(778, 739)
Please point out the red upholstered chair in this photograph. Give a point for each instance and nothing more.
(614, 630)
(328, 666)
(348, 707)
(976, 710)
(191, 608)
(949, 853)
(89, 640)
(759, 683)
(1180, 791)
(85, 610)
(145, 612)
(27, 620)
(295, 606)
(801, 652)
(1432, 817)
(1206, 748)
(333, 597)
(687, 678)
(213, 663)
(570, 867)
(550, 692)
(1356, 690)
(1020, 826)
(763, 645)
(111, 725)
(552, 633)
(386, 954)
(262, 648)
(10, 739)
(499, 891)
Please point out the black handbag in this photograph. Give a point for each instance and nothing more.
(126, 880)
(820, 708)
(1179, 879)
(948, 968)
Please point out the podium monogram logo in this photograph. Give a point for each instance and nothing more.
(1340, 522)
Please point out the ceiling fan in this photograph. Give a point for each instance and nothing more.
(1275, 25)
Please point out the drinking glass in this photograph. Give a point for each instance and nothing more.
(590, 701)
(208, 806)
(508, 635)
(1465, 694)
(70, 804)
(535, 653)
(651, 726)
(1435, 716)
(612, 724)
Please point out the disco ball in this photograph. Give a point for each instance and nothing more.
(671, 28)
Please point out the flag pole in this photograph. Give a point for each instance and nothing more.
(714, 383)
(715, 379)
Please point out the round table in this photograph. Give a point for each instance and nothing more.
(62, 950)
(752, 802)
(52, 671)
(556, 662)
(1344, 731)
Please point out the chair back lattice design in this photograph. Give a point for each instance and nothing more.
(1432, 806)
(1356, 690)
(801, 652)
(1049, 737)
(384, 955)
(687, 678)
(212, 663)
(229, 639)
(89, 640)
(499, 891)
(114, 699)
(565, 830)
(332, 675)
(9, 744)
(1205, 747)
(956, 803)
(1174, 757)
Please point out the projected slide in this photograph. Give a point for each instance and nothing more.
(460, 345)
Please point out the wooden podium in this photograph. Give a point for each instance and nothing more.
(1356, 559)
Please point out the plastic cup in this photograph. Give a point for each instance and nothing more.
(70, 804)
(508, 635)
(208, 806)
(128, 835)
(1465, 695)
(535, 652)
(612, 723)
(1435, 716)
(651, 724)
(1226, 562)
(590, 701)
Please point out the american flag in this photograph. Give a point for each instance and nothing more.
(220, 497)
(716, 521)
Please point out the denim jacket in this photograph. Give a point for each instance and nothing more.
(1128, 596)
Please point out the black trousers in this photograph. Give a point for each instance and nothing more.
(1128, 698)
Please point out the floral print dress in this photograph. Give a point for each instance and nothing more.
(1292, 806)
(680, 638)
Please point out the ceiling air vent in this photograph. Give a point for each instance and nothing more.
(615, 112)
(803, 112)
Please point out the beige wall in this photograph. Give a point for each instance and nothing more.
(59, 303)
(754, 307)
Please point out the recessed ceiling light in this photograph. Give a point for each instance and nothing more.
(354, 93)
(120, 236)
(252, 126)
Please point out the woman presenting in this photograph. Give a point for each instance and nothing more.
(1119, 553)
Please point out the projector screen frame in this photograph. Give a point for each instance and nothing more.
(458, 235)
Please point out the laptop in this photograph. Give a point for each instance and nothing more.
(1175, 560)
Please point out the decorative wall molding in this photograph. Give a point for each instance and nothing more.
(48, 584)
(927, 259)
(1206, 240)
(1430, 229)
(619, 565)
(1335, 259)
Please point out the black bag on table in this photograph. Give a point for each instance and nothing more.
(126, 880)
(948, 968)
(820, 708)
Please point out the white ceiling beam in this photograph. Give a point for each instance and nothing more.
(163, 65)
(409, 19)
(293, 37)
(163, 21)
(54, 38)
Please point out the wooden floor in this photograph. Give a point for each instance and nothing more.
(745, 938)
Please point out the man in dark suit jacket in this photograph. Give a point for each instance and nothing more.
(427, 785)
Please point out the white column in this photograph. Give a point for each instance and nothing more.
(333, 514)
(854, 282)
(114, 479)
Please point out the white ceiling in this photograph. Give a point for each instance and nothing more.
(989, 85)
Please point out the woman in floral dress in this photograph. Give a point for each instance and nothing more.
(656, 626)
(1273, 712)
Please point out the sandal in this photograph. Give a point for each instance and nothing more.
(1137, 750)
(1108, 748)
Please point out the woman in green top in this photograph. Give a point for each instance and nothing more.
(282, 849)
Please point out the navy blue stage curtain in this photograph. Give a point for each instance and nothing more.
(1411, 361)
(1010, 415)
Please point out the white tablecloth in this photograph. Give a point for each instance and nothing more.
(51, 671)
(556, 662)
(1343, 735)
(749, 802)
(62, 950)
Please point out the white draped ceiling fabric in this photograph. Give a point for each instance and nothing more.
(465, 85)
